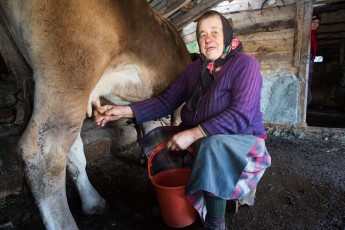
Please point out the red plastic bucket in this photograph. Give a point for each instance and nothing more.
(170, 187)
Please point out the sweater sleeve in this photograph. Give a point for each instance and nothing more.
(240, 116)
(163, 104)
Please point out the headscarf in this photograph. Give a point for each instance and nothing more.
(208, 67)
(316, 16)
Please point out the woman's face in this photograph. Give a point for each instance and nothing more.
(315, 24)
(211, 38)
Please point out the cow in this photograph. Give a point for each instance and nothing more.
(79, 51)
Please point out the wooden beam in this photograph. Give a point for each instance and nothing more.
(154, 3)
(266, 27)
(304, 10)
(251, 18)
(268, 46)
(173, 7)
(331, 32)
(282, 34)
(330, 7)
(266, 36)
(301, 56)
(332, 23)
(160, 6)
(240, 6)
(276, 57)
(194, 13)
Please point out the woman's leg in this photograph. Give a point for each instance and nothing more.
(216, 206)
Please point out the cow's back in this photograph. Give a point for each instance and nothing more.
(85, 39)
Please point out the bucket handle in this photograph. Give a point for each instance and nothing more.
(157, 149)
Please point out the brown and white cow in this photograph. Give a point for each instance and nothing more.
(79, 51)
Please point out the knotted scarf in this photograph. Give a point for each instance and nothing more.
(208, 67)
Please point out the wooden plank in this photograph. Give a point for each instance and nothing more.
(304, 10)
(268, 46)
(249, 19)
(264, 36)
(299, 35)
(238, 6)
(154, 3)
(273, 57)
(331, 36)
(174, 6)
(328, 43)
(281, 35)
(194, 13)
(331, 27)
(266, 27)
(331, 17)
(330, 7)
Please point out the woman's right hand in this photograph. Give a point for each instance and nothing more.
(103, 114)
(184, 139)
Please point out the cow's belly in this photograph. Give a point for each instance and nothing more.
(121, 85)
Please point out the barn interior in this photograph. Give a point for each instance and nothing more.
(327, 108)
(328, 88)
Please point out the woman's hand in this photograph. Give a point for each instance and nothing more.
(103, 114)
(184, 139)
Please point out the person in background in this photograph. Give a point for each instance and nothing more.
(221, 120)
(315, 23)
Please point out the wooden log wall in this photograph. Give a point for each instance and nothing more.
(267, 32)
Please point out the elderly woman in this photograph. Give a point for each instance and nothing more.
(221, 119)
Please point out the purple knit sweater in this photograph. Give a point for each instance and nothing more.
(230, 106)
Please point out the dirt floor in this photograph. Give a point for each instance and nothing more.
(303, 189)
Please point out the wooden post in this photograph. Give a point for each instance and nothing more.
(301, 58)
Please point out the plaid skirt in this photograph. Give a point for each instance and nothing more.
(228, 166)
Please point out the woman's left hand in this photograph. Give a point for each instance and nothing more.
(184, 139)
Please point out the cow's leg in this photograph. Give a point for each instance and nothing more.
(92, 202)
(44, 147)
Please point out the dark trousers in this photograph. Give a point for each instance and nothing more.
(310, 79)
